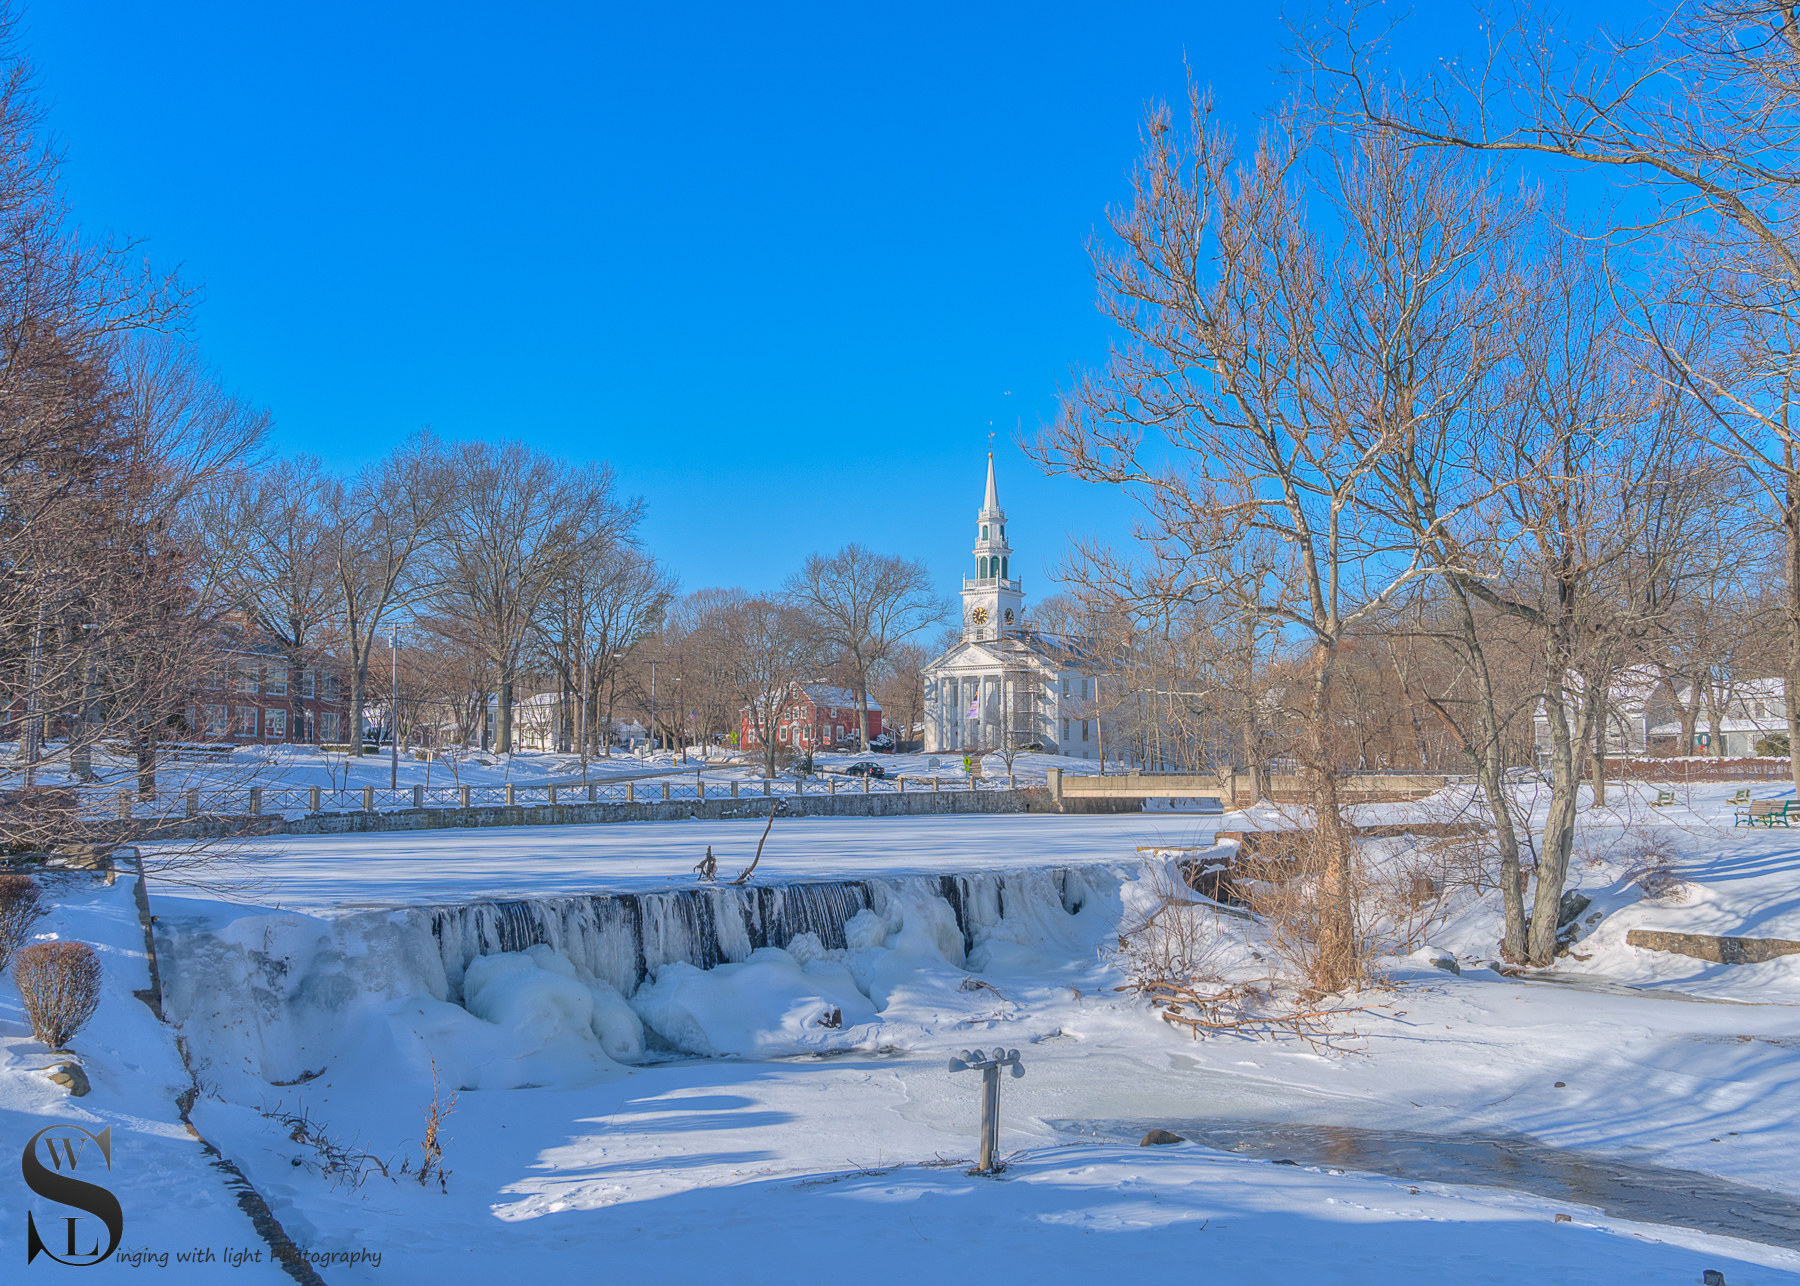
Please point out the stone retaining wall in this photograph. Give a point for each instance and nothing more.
(1703, 946)
(923, 803)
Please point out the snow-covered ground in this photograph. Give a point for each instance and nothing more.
(800, 1148)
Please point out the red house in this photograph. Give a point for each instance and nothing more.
(816, 716)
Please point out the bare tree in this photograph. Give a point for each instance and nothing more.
(520, 522)
(377, 530)
(863, 605)
(772, 650)
(1700, 111)
(1242, 403)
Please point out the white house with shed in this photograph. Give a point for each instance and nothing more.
(1004, 684)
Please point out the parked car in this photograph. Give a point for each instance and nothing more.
(864, 768)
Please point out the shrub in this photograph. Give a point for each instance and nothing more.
(20, 907)
(1773, 746)
(60, 985)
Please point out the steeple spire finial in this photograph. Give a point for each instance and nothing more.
(991, 503)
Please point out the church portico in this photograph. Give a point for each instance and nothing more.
(1005, 686)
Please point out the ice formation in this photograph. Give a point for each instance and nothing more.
(563, 990)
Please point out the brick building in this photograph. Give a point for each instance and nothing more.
(255, 696)
(816, 716)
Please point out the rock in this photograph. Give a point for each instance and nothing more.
(1448, 965)
(1157, 1138)
(1564, 1219)
(1701, 946)
(1569, 910)
(1712, 1277)
(71, 1077)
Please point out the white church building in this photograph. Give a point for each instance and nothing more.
(1004, 685)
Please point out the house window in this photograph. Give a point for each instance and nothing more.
(215, 721)
(329, 684)
(1065, 690)
(276, 683)
(275, 724)
(246, 675)
(330, 726)
(215, 677)
(781, 733)
(306, 683)
(246, 722)
(1761, 710)
(1065, 735)
(1084, 729)
(1084, 688)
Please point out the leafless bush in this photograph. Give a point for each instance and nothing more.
(1294, 882)
(1651, 862)
(20, 906)
(342, 1163)
(1173, 952)
(60, 985)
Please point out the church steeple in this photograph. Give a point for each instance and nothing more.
(992, 600)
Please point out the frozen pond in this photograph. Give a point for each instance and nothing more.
(1645, 1194)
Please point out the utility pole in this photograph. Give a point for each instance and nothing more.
(581, 712)
(653, 707)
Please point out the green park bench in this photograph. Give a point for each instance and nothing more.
(1765, 812)
(1663, 799)
(1741, 797)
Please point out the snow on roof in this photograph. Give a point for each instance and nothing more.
(825, 694)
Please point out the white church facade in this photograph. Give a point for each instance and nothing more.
(1004, 685)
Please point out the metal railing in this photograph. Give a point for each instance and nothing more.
(253, 801)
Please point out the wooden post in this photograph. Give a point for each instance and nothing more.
(592, 797)
(462, 797)
(765, 785)
(900, 785)
(866, 786)
(193, 803)
(418, 797)
(665, 791)
(831, 785)
(934, 783)
(734, 787)
(553, 796)
(510, 796)
(630, 792)
(1012, 782)
(256, 801)
(368, 799)
(701, 787)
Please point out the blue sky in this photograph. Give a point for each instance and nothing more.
(783, 266)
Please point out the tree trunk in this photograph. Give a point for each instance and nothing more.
(146, 763)
(1597, 713)
(1337, 956)
(1559, 825)
(1490, 770)
(358, 680)
(862, 710)
(1790, 522)
(503, 733)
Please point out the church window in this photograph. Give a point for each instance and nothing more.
(981, 568)
(1003, 569)
(984, 531)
